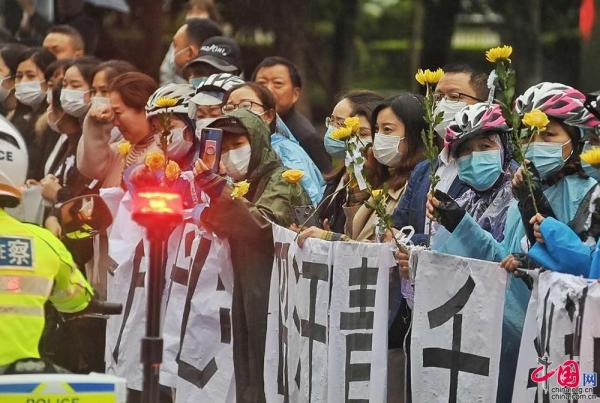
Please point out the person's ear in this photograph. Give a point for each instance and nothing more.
(193, 52)
(296, 94)
(78, 53)
(270, 115)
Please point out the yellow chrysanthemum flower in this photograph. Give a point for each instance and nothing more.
(172, 170)
(536, 119)
(293, 175)
(124, 148)
(592, 157)
(341, 133)
(499, 53)
(428, 76)
(165, 102)
(155, 160)
(375, 193)
(240, 189)
(353, 123)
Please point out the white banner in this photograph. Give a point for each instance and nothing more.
(317, 352)
(561, 298)
(126, 285)
(456, 329)
(205, 363)
(590, 343)
(181, 250)
(358, 322)
(296, 348)
(524, 389)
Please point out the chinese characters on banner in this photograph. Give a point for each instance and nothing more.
(590, 342)
(322, 347)
(358, 315)
(525, 389)
(456, 330)
(205, 355)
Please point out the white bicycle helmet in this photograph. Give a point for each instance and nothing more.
(473, 120)
(558, 101)
(14, 161)
(170, 98)
(210, 90)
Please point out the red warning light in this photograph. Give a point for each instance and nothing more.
(156, 207)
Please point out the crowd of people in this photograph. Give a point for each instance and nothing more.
(86, 123)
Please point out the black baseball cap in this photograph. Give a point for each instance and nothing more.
(221, 53)
(229, 124)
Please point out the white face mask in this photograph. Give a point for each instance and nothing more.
(236, 162)
(30, 93)
(385, 149)
(178, 145)
(3, 91)
(99, 101)
(73, 102)
(449, 109)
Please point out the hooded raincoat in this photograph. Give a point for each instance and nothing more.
(246, 223)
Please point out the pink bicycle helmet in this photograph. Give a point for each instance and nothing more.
(558, 101)
(474, 120)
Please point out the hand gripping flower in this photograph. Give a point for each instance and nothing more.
(384, 225)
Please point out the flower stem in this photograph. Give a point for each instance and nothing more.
(319, 206)
(526, 170)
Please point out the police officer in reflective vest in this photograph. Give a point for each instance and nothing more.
(34, 265)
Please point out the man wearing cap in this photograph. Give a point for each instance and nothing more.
(218, 54)
(282, 78)
(188, 40)
(245, 222)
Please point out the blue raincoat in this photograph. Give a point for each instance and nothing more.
(564, 252)
(293, 156)
(470, 240)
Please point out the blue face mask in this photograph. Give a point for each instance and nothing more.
(480, 169)
(587, 168)
(195, 82)
(335, 148)
(547, 157)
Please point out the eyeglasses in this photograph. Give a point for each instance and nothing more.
(454, 96)
(244, 104)
(331, 121)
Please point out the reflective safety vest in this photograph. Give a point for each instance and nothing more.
(34, 266)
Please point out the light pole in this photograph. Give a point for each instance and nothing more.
(158, 211)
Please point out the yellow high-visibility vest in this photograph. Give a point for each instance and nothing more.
(34, 266)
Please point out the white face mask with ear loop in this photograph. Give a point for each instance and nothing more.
(30, 93)
(236, 161)
(449, 110)
(178, 145)
(386, 149)
(73, 102)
